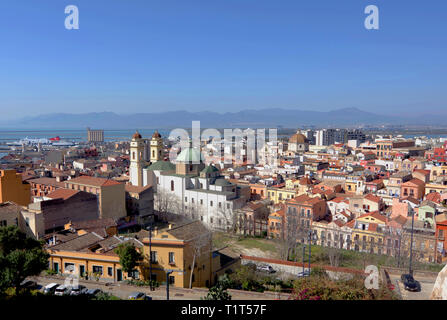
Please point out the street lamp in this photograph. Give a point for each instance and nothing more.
(150, 256)
(167, 283)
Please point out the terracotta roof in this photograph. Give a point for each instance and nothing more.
(136, 189)
(434, 197)
(305, 200)
(414, 182)
(62, 193)
(375, 215)
(373, 198)
(78, 243)
(305, 181)
(47, 181)
(92, 181)
(339, 223)
(411, 199)
(400, 219)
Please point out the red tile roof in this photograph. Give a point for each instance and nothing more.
(92, 181)
(62, 193)
(373, 198)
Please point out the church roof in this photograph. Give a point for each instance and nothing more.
(156, 135)
(190, 155)
(298, 138)
(136, 135)
(161, 166)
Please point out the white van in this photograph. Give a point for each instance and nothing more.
(49, 288)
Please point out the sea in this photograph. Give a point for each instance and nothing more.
(73, 135)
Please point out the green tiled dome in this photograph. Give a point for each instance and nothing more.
(161, 166)
(190, 155)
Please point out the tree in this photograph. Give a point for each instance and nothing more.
(199, 246)
(165, 203)
(129, 256)
(217, 292)
(20, 257)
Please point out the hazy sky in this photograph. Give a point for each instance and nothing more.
(224, 55)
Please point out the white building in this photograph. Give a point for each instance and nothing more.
(191, 189)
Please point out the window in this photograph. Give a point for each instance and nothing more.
(3, 223)
(171, 280)
(110, 271)
(228, 206)
(201, 201)
(192, 200)
(97, 269)
(154, 256)
(211, 203)
(171, 258)
(220, 204)
(211, 220)
(172, 185)
(186, 199)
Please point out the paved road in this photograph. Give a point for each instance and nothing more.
(123, 291)
(427, 284)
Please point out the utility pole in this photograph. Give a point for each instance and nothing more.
(304, 252)
(310, 245)
(150, 257)
(411, 245)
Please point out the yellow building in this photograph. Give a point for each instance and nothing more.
(278, 195)
(13, 189)
(435, 187)
(89, 255)
(368, 233)
(438, 171)
(180, 250)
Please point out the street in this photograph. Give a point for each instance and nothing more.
(427, 284)
(122, 291)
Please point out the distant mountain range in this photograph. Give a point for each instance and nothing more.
(265, 118)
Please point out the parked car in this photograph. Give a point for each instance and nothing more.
(78, 290)
(50, 288)
(305, 273)
(62, 290)
(29, 284)
(137, 296)
(266, 268)
(409, 283)
(93, 292)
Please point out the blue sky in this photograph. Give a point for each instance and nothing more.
(222, 55)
